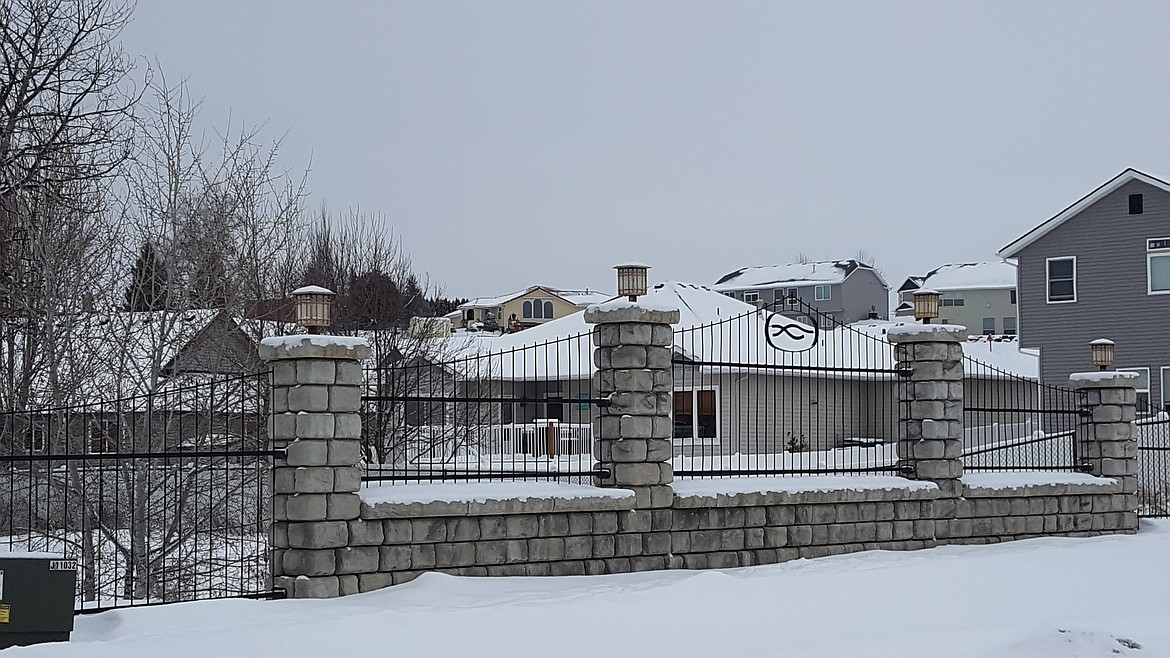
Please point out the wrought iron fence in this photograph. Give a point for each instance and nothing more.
(160, 497)
(1153, 439)
(1015, 423)
(514, 407)
(784, 390)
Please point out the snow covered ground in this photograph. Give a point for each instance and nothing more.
(1045, 598)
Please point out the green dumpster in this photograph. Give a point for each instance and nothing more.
(36, 598)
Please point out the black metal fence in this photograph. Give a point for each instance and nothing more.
(513, 407)
(1153, 439)
(1015, 423)
(160, 497)
(784, 390)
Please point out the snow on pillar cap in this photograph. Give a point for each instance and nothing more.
(927, 333)
(1103, 379)
(623, 310)
(314, 346)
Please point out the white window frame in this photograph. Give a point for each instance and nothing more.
(1146, 390)
(793, 296)
(697, 440)
(37, 439)
(1151, 254)
(730, 294)
(1048, 281)
(755, 296)
(1165, 379)
(828, 322)
(817, 293)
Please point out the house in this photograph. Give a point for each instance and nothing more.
(527, 308)
(979, 296)
(1100, 268)
(142, 381)
(844, 291)
(734, 393)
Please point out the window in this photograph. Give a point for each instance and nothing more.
(751, 296)
(548, 310)
(1009, 326)
(34, 440)
(827, 322)
(822, 293)
(696, 414)
(949, 299)
(1013, 291)
(528, 309)
(793, 296)
(778, 295)
(988, 326)
(1158, 266)
(803, 319)
(1062, 279)
(1166, 388)
(1143, 387)
(103, 436)
(1135, 204)
(730, 294)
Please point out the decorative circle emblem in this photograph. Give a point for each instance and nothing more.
(788, 335)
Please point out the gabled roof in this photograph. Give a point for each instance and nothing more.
(970, 276)
(576, 297)
(1075, 209)
(820, 272)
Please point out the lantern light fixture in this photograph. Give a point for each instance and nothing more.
(632, 280)
(314, 307)
(926, 302)
(1103, 351)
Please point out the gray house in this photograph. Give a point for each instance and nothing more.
(979, 296)
(845, 290)
(1101, 269)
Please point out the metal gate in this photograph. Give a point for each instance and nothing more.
(1015, 423)
(160, 497)
(1153, 439)
(784, 390)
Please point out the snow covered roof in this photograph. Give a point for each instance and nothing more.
(577, 297)
(1018, 245)
(562, 349)
(820, 272)
(110, 356)
(968, 276)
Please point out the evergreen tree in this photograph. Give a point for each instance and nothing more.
(149, 282)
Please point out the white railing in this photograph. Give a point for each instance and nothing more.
(540, 438)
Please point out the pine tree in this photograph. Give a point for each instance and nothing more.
(149, 282)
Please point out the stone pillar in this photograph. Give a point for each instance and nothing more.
(1106, 440)
(930, 403)
(316, 396)
(632, 437)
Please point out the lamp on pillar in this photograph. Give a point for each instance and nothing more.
(314, 308)
(632, 280)
(926, 304)
(1103, 352)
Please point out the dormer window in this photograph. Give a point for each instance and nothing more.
(1135, 204)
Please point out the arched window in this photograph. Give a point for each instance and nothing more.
(537, 308)
(527, 309)
(548, 310)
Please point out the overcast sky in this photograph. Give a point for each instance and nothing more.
(519, 143)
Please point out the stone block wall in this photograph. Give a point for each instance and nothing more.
(394, 542)
(993, 514)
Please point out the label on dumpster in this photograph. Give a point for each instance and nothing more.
(62, 565)
(5, 611)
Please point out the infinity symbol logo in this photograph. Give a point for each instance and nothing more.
(788, 336)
